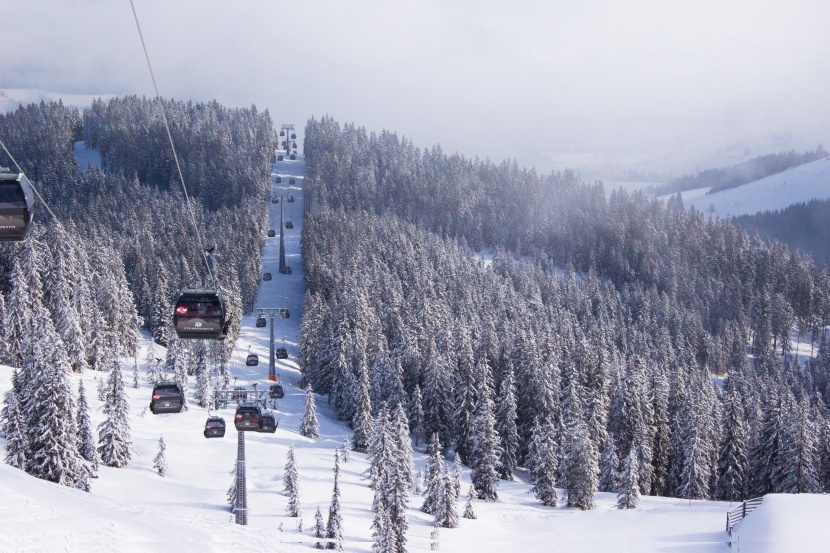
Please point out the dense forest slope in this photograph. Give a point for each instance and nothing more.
(584, 353)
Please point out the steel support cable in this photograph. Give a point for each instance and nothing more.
(175, 155)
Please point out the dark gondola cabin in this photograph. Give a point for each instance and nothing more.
(269, 423)
(279, 158)
(200, 314)
(267, 276)
(215, 427)
(294, 145)
(290, 199)
(168, 397)
(289, 224)
(282, 133)
(292, 156)
(17, 205)
(272, 233)
(293, 136)
(278, 180)
(261, 322)
(286, 270)
(283, 143)
(281, 353)
(276, 391)
(275, 200)
(248, 418)
(252, 360)
(284, 314)
(292, 181)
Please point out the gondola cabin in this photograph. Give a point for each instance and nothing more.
(200, 315)
(17, 205)
(292, 156)
(294, 145)
(248, 418)
(168, 397)
(281, 353)
(278, 180)
(282, 133)
(284, 314)
(283, 143)
(267, 277)
(215, 427)
(252, 360)
(289, 225)
(276, 391)
(286, 270)
(275, 200)
(293, 136)
(290, 199)
(261, 322)
(292, 181)
(269, 423)
(272, 233)
(279, 158)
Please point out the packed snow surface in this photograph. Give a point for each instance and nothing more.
(785, 523)
(133, 509)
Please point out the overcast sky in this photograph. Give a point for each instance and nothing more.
(653, 85)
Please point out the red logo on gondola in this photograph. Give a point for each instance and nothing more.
(181, 310)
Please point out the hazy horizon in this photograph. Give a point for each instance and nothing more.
(599, 87)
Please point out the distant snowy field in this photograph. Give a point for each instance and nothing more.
(11, 98)
(796, 185)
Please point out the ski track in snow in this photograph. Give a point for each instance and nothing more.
(133, 509)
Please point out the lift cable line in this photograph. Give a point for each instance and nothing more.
(208, 264)
(20, 170)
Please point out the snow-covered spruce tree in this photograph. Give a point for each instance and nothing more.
(382, 534)
(3, 352)
(800, 452)
(609, 466)
(114, 443)
(135, 372)
(346, 447)
(202, 392)
(457, 473)
(152, 364)
(403, 445)
(159, 461)
(416, 415)
(581, 468)
(697, 453)
(467, 380)
(469, 511)
(732, 461)
(432, 475)
(506, 425)
(309, 427)
(543, 462)
(334, 525)
(484, 448)
(86, 441)
(291, 483)
(63, 298)
(628, 496)
(101, 389)
(446, 508)
(437, 393)
(362, 421)
(319, 528)
(53, 434)
(232, 491)
(766, 451)
(14, 425)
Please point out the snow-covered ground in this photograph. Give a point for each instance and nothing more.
(798, 184)
(134, 509)
(785, 523)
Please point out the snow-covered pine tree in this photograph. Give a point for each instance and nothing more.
(309, 427)
(469, 511)
(766, 451)
(581, 467)
(334, 525)
(432, 475)
(506, 425)
(101, 389)
(319, 528)
(53, 434)
(800, 452)
(609, 466)
(382, 531)
(543, 462)
(484, 447)
(628, 496)
(291, 483)
(160, 461)
(416, 415)
(457, 473)
(86, 441)
(114, 443)
(232, 491)
(346, 447)
(446, 508)
(202, 392)
(135, 372)
(152, 364)
(732, 461)
(63, 300)
(14, 424)
(437, 393)
(362, 421)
